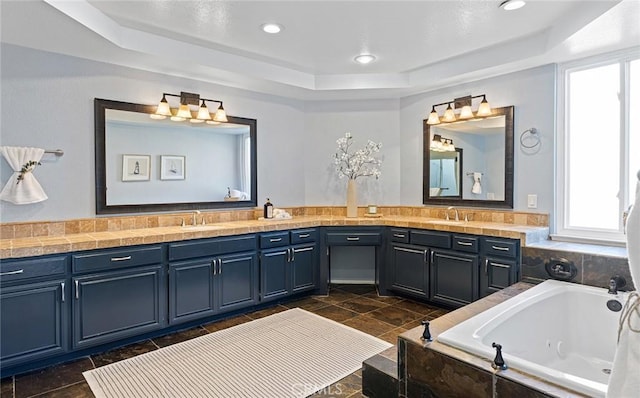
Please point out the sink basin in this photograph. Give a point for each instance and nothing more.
(201, 227)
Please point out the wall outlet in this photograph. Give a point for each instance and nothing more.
(532, 201)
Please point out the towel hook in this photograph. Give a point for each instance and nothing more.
(533, 135)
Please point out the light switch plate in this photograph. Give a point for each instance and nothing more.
(532, 201)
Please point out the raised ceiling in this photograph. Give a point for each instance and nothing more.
(419, 45)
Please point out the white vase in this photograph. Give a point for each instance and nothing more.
(352, 200)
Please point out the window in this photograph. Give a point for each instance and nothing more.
(598, 148)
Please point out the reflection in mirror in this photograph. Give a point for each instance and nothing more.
(486, 176)
(445, 173)
(191, 166)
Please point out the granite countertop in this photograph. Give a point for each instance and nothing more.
(36, 246)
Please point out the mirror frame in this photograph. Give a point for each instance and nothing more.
(100, 107)
(508, 112)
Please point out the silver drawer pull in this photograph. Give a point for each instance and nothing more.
(303, 236)
(504, 249)
(272, 240)
(486, 266)
(465, 243)
(500, 265)
(353, 238)
(304, 249)
(12, 272)
(62, 291)
(77, 290)
(402, 249)
(398, 235)
(125, 258)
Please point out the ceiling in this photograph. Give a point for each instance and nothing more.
(419, 45)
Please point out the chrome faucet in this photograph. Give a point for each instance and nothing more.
(447, 213)
(194, 218)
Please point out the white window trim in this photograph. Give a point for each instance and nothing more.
(582, 234)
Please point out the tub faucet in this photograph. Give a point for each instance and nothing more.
(194, 218)
(447, 213)
(498, 361)
(616, 282)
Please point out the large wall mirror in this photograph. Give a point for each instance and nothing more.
(470, 162)
(144, 164)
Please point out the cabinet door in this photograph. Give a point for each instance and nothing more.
(113, 305)
(191, 290)
(410, 270)
(237, 281)
(454, 278)
(34, 321)
(497, 273)
(303, 268)
(274, 274)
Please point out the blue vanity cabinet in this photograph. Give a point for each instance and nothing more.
(117, 294)
(454, 273)
(210, 276)
(34, 298)
(288, 263)
(500, 264)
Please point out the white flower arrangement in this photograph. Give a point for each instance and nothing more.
(360, 163)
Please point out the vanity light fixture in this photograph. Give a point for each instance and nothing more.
(510, 5)
(184, 111)
(364, 59)
(441, 144)
(462, 103)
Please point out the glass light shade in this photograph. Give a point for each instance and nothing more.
(163, 107)
(449, 115)
(203, 112)
(484, 109)
(436, 143)
(157, 117)
(433, 117)
(465, 112)
(221, 115)
(184, 112)
(449, 146)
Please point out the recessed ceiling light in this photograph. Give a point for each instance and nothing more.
(510, 5)
(272, 28)
(364, 58)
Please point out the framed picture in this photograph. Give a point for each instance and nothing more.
(136, 167)
(172, 167)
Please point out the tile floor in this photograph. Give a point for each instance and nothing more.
(357, 306)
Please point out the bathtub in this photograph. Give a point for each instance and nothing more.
(558, 331)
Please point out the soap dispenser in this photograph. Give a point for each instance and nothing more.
(268, 209)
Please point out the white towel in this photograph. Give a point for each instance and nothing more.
(625, 375)
(477, 188)
(28, 190)
(281, 214)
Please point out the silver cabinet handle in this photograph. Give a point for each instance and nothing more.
(303, 249)
(219, 266)
(303, 236)
(398, 235)
(432, 254)
(353, 238)
(293, 254)
(289, 255)
(465, 243)
(12, 272)
(125, 258)
(425, 255)
(272, 240)
(486, 266)
(62, 291)
(500, 265)
(77, 290)
(213, 264)
(402, 249)
(504, 249)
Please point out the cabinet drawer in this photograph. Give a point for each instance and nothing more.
(211, 247)
(111, 259)
(431, 238)
(354, 239)
(304, 235)
(399, 235)
(274, 239)
(501, 247)
(32, 268)
(465, 244)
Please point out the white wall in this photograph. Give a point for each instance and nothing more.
(47, 101)
(531, 91)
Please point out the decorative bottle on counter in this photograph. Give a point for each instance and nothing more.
(268, 209)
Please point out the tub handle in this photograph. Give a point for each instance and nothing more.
(426, 333)
(498, 361)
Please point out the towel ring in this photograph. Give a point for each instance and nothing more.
(532, 133)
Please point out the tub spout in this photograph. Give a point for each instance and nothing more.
(498, 361)
(616, 282)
